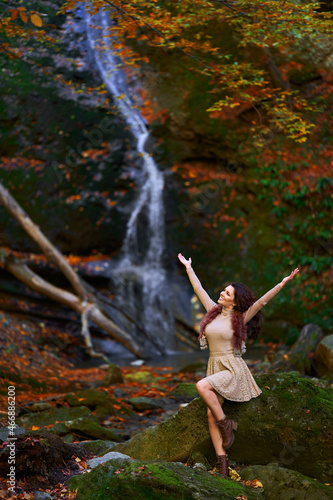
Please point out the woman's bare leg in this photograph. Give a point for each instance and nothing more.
(208, 394)
(215, 434)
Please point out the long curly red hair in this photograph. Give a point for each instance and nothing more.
(244, 298)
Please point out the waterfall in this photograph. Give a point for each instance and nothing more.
(139, 275)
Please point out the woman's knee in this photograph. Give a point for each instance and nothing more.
(201, 385)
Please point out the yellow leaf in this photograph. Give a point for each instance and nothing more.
(36, 20)
(35, 428)
(257, 484)
(23, 16)
(286, 356)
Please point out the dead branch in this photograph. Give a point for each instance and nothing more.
(51, 252)
(32, 280)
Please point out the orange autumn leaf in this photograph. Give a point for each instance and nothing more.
(34, 428)
(13, 15)
(36, 20)
(23, 16)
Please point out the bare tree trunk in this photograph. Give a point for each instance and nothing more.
(52, 253)
(24, 274)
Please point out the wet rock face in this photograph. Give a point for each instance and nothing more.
(80, 181)
(291, 420)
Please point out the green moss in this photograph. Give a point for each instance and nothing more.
(154, 480)
(291, 412)
(185, 389)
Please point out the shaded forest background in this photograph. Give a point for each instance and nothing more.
(249, 201)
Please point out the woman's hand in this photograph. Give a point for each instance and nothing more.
(290, 277)
(187, 263)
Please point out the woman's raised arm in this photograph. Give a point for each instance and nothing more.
(205, 299)
(259, 304)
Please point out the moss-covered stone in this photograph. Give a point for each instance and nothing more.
(97, 447)
(113, 376)
(143, 377)
(54, 416)
(144, 403)
(279, 483)
(69, 438)
(155, 481)
(40, 406)
(85, 426)
(99, 401)
(185, 390)
(292, 420)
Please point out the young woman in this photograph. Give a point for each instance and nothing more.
(227, 324)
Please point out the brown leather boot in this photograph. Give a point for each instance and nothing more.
(222, 466)
(226, 427)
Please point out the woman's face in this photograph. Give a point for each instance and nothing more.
(227, 297)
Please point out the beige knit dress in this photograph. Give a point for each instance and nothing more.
(227, 372)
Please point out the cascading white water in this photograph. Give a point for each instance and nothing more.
(139, 263)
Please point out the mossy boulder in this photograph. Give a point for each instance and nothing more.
(324, 356)
(279, 482)
(40, 406)
(99, 401)
(143, 403)
(85, 426)
(113, 376)
(184, 390)
(53, 417)
(97, 447)
(143, 480)
(143, 377)
(291, 421)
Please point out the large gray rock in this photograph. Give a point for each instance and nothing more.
(112, 455)
(116, 480)
(280, 483)
(291, 423)
(324, 356)
(297, 358)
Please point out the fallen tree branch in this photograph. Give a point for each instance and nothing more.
(51, 252)
(31, 279)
